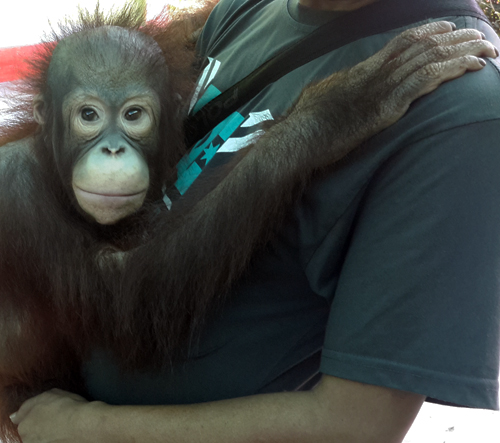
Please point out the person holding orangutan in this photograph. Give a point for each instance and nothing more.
(328, 258)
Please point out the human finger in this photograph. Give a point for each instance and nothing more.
(44, 398)
(18, 416)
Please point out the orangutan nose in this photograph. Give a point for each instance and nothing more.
(115, 150)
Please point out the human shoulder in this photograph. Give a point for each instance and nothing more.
(445, 137)
(226, 15)
(421, 235)
(471, 99)
(219, 18)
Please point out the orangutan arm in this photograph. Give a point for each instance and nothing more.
(329, 120)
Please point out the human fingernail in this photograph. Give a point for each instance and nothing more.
(453, 26)
(12, 417)
(483, 36)
(482, 62)
(496, 52)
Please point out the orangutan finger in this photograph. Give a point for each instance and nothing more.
(413, 37)
(476, 48)
(429, 77)
(433, 42)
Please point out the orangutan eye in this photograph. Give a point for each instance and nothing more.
(133, 114)
(88, 114)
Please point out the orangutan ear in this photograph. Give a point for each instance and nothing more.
(39, 109)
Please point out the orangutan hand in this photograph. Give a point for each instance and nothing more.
(54, 416)
(359, 102)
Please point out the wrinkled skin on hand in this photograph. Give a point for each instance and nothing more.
(377, 92)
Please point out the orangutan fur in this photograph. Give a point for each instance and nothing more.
(141, 285)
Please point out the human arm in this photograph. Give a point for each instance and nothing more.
(423, 259)
(336, 410)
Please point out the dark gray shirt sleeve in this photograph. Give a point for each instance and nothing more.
(417, 302)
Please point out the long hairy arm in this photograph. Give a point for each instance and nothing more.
(175, 271)
(35, 352)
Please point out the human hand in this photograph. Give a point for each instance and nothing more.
(361, 101)
(54, 416)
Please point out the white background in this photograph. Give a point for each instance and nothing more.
(23, 22)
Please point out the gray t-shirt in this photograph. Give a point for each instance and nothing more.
(387, 271)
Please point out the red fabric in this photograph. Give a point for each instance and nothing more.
(13, 61)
